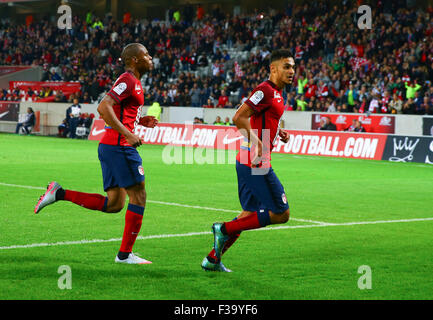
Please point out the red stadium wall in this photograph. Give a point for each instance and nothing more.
(371, 123)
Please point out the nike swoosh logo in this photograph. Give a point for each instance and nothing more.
(228, 141)
(3, 114)
(96, 132)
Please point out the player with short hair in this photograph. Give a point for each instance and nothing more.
(121, 164)
(261, 194)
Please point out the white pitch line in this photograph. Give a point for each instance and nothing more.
(170, 204)
(190, 234)
(21, 186)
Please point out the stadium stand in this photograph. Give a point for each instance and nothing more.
(388, 69)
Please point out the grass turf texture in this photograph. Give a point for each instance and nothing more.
(305, 261)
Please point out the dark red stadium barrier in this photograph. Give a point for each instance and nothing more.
(66, 87)
(9, 111)
(4, 70)
(371, 123)
(38, 85)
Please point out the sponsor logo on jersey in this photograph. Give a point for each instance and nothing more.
(277, 95)
(120, 88)
(257, 97)
(137, 88)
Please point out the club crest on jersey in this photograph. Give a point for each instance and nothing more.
(140, 170)
(284, 198)
(277, 95)
(257, 97)
(120, 88)
(137, 88)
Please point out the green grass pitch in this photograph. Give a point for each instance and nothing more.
(345, 214)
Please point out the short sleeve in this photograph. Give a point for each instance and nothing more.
(260, 99)
(122, 89)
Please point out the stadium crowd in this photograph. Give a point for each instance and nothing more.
(212, 59)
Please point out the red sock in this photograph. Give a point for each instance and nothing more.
(133, 220)
(91, 201)
(232, 239)
(249, 222)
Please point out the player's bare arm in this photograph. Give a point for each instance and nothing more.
(105, 109)
(242, 121)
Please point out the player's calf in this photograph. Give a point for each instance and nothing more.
(114, 209)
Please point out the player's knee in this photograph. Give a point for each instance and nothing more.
(277, 218)
(141, 198)
(138, 198)
(137, 195)
(114, 209)
(285, 216)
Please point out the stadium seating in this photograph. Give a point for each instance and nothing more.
(324, 40)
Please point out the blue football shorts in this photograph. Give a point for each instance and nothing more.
(260, 191)
(121, 166)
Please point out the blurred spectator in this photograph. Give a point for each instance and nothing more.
(86, 98)
(28, 122)
(126, 17)
(311, 89)
(302, 82)
(209, 104)
(218, 121)
(200, 12)
(411, 90)
(395, 105)
(223, 100)
(326, 124)
(60, 97)
(63, 129)
(86, 120)
(427, 106)
(356, 126)
(301, 104)
(352, 96)
(155, 110)
(397, 56)
(408, 107)
(374, 104)
(84, 125)
(73, 117)
(197, 120)
(195, 95)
